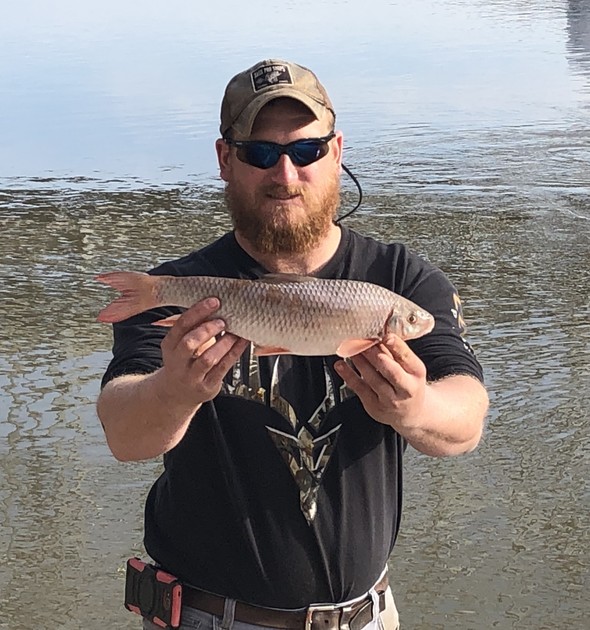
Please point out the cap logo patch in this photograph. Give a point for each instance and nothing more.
(270, 75)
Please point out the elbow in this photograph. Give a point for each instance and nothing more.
(119, 451)
(478, 414)
(477, 436)
(481, 414)
(455, 447)
(123, 451)
(118, 446)
(471, 443)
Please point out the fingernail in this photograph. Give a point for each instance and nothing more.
(212, 302)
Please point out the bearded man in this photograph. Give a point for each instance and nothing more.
(280, 499)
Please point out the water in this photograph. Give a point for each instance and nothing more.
(468, 124)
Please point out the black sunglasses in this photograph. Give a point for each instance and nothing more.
(262, 154)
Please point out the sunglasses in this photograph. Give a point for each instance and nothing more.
(265, 155)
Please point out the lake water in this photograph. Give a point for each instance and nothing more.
(468, 125)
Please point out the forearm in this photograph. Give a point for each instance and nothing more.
(145, 416)
(140, 420)
(451, 418)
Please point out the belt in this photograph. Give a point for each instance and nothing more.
(317, 617)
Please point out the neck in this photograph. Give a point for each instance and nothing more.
(300, 263)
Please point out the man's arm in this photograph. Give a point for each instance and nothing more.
(146, 415)
(445, 417)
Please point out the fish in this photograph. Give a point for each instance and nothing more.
(279, 313)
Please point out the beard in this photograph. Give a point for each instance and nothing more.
(276, 231)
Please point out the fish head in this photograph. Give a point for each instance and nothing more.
(411, 323)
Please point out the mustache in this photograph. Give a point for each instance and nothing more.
(277, 189)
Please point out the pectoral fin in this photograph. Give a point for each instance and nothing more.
(167, 321)
(350, 347)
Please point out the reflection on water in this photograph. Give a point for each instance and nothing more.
(510, 515)
(497, 195)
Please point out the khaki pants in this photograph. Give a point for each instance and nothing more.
(390, 616)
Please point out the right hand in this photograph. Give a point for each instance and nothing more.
(194, 361)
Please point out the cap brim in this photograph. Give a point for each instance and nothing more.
(245, 121)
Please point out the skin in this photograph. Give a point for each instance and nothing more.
(266, 191)
(145, 416)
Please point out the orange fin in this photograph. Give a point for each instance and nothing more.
(350, 347)
(266, 351)
(137, 295)
(167, 321)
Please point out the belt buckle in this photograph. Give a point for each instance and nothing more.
(326, 608)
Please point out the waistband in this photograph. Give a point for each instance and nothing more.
(354, 615)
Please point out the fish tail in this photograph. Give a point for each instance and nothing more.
(138, 294)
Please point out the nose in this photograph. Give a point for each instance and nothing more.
(284, 171)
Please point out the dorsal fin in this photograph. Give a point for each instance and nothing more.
(278, 278)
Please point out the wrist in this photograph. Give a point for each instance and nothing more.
(172, 398)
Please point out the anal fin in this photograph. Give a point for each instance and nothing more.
(266, 351)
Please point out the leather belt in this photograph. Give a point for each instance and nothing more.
(317, 617)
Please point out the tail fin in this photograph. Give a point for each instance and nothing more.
(138, 294)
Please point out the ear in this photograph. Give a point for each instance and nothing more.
(223, 158)
(337, 147)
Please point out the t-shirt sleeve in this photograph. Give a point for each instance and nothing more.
(444, 351)
(136, 344)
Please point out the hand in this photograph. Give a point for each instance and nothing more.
(391, 383)
(194, 361)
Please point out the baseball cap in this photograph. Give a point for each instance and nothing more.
(250, 90)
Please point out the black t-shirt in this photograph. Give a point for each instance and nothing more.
(283, 491)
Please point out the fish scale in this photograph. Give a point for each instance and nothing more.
(279, 313)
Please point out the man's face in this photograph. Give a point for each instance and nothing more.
(285, 209)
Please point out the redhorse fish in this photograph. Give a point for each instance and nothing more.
(280, 314)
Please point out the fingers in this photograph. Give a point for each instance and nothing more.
(191, 318)
(355, 380)
(389, 365)
(402, 354)
(197, 353)
(213, 363)
(391, 361)
(390, 381)
(196, 341)
(193, 329)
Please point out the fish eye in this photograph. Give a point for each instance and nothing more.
(412, 318)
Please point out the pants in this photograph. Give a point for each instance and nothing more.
(193, 619)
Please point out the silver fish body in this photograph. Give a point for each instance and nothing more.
(280, 313)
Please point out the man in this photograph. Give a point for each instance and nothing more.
(282, 480)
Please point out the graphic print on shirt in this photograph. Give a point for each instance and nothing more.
(457, 313)
(306, 450)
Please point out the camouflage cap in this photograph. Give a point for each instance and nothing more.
(250, 90)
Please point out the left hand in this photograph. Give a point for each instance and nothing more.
(391, 383)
